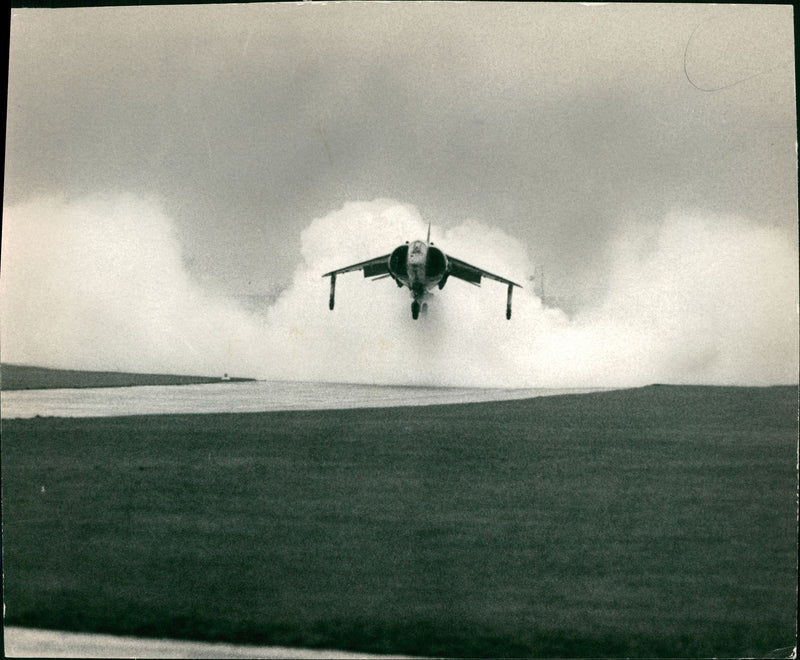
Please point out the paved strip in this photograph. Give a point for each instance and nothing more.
(259, 396)
(34, 643)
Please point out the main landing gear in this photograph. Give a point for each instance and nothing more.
(417, 307)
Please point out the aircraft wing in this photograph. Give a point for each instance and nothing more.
(371, 267)
(472, 274)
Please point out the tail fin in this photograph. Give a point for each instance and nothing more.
(428, 241)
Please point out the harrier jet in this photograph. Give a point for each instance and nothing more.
(420, 266)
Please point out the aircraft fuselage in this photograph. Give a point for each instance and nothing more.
(419, 266)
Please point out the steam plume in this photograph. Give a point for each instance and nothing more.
(98, 283)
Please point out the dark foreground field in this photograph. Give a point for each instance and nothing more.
(16, 377)
(652, 522)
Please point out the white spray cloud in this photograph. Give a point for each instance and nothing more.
(99, 283)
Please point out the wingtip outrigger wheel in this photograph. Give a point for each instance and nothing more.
(333, 289)
(508, 301)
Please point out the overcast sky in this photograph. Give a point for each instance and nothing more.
(563, 126)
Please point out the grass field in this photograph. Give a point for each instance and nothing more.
(16, 377)
(652, 522)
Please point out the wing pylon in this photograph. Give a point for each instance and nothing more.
(472, 274)
(371, 267)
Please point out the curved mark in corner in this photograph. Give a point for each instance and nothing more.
(737, 79)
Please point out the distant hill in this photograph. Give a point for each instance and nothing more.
(16, 377)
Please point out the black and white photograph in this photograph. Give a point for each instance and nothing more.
(400, 329)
